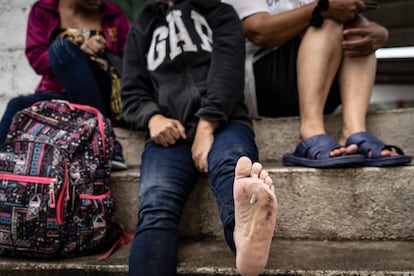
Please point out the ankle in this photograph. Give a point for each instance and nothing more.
(306, 134)
(348, 132)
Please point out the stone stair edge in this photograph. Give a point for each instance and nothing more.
(277, 136)
(341, 204)
(273, 167)
(287, 257)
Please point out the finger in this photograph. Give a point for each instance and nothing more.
(352, 53)
(355, 32)
(95, 46)
(166, 142)
(175, 133)
(361, 47)
(357, 43)
(181, 130)
(88, 49)
(160, 142)
(162, 139)
(203, 167)
(93, 49)
(356, 54)
(101, 39)
(100, 44)
(170, 139)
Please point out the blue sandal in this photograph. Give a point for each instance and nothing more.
(368, 143)
(314, 152)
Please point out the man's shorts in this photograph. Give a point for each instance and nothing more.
(276, 84)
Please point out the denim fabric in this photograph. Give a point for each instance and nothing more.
(168, 176)
(21, 102)
(84, 81)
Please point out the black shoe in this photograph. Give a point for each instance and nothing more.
(118, 162)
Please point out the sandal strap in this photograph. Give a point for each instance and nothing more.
(368, 143)
(317, 147)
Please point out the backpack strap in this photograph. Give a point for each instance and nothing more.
(123, 239)
(98, 114)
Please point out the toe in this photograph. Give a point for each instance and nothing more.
(269, 182)
(263, 174)
(243, 167)
(352, 149)
(256, 169)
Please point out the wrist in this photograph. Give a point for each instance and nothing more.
(207, 125)
(317, 18)
(154, 118)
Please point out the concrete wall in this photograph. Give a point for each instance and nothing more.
(16, 76)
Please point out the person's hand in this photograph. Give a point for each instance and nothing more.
(94, 46)
(165, 131)
(203, 141)
(344, 11)
(364, 40)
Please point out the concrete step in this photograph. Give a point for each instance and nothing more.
(335, 204)
(277, 136)
(212, 257)
(340, 204)
(355, 221)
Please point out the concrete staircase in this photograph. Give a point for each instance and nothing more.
(354, 221)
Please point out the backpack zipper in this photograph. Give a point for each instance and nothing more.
(51, 181)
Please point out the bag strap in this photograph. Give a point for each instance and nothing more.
(98, 114)
(124, 238)
(64, 196)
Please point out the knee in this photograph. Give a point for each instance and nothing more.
(159, 208)
(157, 219)
(16, 104)
(333, 29)
(62, 49)
(60, 46)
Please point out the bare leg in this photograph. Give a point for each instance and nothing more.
(357, 77)
(319, 58)
(255, 215)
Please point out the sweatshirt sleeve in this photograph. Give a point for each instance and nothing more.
(37, 41)
(225, 80)
(137, 91)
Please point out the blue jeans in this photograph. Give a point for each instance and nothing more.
(168, 176)
(84, 81)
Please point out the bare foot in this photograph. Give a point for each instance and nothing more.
(351, 149)
(255, 215)
(340, 151)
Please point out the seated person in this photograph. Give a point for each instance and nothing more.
(306, 58)
(186, 89)
(66, 42)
